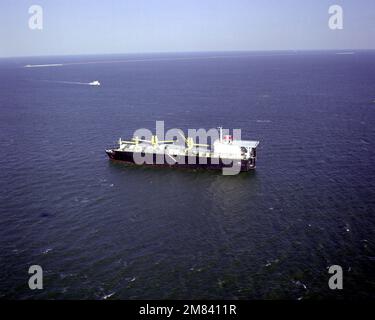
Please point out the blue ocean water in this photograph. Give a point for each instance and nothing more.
(101, 229)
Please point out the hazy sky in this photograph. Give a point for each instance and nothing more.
(122, 26)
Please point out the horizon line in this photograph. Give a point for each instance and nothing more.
(183, 52)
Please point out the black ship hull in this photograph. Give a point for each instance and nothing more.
(182, 161)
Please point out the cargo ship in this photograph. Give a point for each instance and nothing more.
(225, 152)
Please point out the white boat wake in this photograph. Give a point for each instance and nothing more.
(43, 65)
(92, 83)
(168, 59)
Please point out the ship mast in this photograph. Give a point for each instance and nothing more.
(221, 134)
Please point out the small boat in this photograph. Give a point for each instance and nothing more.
(94, 83)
